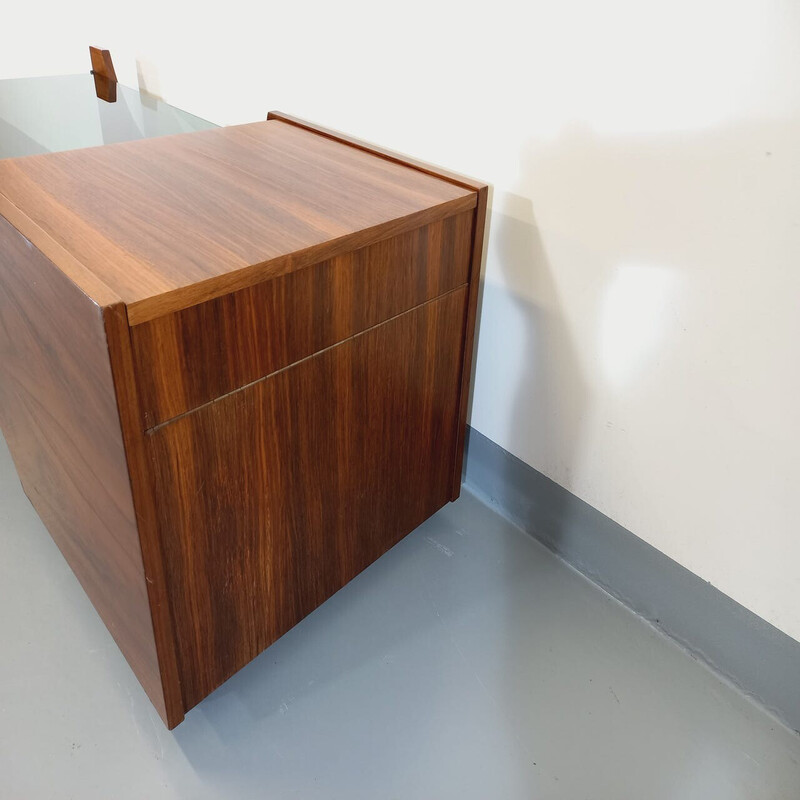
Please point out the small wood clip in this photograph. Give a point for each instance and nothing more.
(105, 79)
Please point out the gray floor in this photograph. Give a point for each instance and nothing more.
(468, 663)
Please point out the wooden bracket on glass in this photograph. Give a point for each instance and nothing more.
(105, 79)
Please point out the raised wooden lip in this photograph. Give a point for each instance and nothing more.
(74, 269)
(464, 181)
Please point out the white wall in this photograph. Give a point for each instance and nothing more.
(641, 314)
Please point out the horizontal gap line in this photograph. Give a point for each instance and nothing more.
(169, 421)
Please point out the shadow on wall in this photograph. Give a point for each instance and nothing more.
(522, 323)
(636, 340)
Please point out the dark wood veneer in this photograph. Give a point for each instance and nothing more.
(203, 352)
(374, 149)
(199, 215)
(118, 336)
(58, 411)
(234, 370)
(476, 261)
(105, 77)
(274, 497)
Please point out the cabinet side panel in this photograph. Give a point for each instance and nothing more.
(58, 412)
(275, 496)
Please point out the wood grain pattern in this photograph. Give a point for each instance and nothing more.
(201, 214)
(120, 350)
(203, 352)
(476, 263)
(234, 370)
(105, 77)
(275, 496)
(390, 155)
(58, 412)
(58, 254)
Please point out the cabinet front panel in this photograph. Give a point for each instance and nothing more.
(274, 497)
(196, 355)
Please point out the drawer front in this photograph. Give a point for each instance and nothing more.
(199, 354)
(274, 497)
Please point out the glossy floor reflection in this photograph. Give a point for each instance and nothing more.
(468, 662)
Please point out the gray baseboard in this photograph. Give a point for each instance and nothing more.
(761, 660)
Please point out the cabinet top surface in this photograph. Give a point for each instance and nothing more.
(161, 224)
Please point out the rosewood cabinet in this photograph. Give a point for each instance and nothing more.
(234, 370)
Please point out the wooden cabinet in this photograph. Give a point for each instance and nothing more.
(234, 371)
